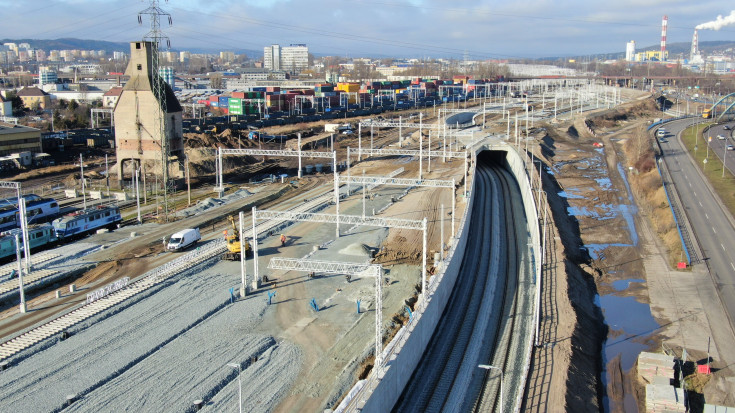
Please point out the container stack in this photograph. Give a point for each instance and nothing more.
(657, 371)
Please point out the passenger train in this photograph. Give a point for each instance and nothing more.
(84, 222)
(39, 236)
(38, 210)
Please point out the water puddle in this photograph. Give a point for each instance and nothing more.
(621, 285)
(631, 325)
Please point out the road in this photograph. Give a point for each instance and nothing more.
(714, 230)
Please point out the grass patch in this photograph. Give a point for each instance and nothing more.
(723, 186)
(648, 189)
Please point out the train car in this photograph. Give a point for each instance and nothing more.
(84, 222)
(38, 210)
(39, 236)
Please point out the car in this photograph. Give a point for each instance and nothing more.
(720, 137)
(730, 148)
(347, 132)
(727, 127)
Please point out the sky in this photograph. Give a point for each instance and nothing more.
(480, 29)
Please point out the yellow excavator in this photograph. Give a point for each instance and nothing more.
(233, 243)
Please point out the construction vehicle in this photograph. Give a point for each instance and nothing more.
(233, 243)
(707, 113)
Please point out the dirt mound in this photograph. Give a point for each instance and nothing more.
(357, 250)
(618, 116)
(573, 133)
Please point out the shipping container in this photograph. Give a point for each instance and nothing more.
(239, 95)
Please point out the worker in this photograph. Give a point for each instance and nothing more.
(283, 240)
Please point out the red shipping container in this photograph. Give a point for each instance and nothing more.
(214, 98)
(309, 92)
(273, 89)
(238, 95)
(703, 369)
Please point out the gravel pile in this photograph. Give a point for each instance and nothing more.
(208, 203)
(187, 330)
(357, 250)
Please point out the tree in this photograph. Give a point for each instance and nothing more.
(73, 105)
(19, 108)
(215, 81)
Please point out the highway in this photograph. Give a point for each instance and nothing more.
(481, 324)
(714, 230)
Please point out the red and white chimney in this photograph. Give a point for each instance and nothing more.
(664, 28)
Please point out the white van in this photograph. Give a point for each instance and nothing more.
(183, 239)
(661, 133)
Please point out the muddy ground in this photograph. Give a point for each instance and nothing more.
(599, 250)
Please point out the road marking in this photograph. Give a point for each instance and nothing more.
(723, 247)
(700, 204)
(714, 230)
(695, 193)
(689, 183)
(705, 214)
(733, 266)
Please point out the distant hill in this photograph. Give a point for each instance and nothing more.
(70, 44)
(109, 47)
(675, 49)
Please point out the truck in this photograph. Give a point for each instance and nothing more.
(233, 243)
(183, 239)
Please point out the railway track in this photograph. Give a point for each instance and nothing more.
(207, 251)
(472, 331)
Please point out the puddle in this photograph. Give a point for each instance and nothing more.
(595, 250)
(571, 193)
(621, 285)
(631, 324)
(604, 183)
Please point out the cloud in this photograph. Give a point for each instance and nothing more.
(483, 28)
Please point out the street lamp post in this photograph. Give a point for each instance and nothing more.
(239, 380)
(488, 367)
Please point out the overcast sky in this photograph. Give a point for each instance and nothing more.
(484, 29)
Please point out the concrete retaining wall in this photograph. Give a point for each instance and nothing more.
(381, 391)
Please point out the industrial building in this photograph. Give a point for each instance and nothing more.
(17, 138)
(138, 131)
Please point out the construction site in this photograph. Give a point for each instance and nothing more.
(516, 253)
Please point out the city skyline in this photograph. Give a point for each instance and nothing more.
(477, 29)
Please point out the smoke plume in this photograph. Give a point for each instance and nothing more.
(719, 23)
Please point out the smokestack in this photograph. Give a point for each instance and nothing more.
(664, 28)
(695, 46)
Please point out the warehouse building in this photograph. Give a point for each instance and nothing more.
(17, 138)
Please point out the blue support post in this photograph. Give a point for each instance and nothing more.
(314, 305)
(410, 314)
(232, 295)
(358, 306)
(270, 296)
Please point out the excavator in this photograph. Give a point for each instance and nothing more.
(233, 243)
